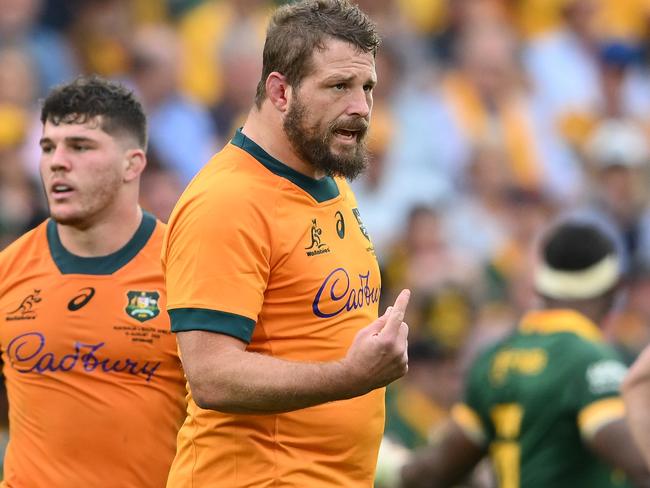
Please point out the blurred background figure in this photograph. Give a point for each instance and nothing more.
(618, 159)
(50, 52)
(22, 205)
(239, 56)
(181, 131)
(204, 29)
(591, 66)
(442, 281)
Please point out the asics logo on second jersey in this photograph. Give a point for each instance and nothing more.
(82, 299)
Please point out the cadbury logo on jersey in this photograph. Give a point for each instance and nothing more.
(28, 353)
(27, 308)
(343, 295)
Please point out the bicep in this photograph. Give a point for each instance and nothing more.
(639, 373)
(445, 463)
(636, 394)
(201, 351)
(613, 444)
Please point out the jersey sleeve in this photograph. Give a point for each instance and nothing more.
(595, 392)
(216, 258)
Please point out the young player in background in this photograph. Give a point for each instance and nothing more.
(94, 383)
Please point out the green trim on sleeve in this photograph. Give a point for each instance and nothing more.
(238, 326)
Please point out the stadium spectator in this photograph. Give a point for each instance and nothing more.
(618, 158)
(544, 402)
(50, 52)
(181, 132)
(239, 61)
(442, 279)
(94, 383)
(203, 30)
(272, 280)
(582, 75)
(21, 204)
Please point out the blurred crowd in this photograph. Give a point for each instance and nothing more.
(491, 118)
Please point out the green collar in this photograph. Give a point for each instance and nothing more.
(69, 263)
(320, 190)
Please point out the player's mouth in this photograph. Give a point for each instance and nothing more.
(349, 135)
(60, 190)
(345, 134)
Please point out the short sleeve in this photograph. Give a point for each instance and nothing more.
(595, 393)
(216, 258)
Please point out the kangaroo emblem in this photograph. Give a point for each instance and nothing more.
(26, 307)
(315, 236)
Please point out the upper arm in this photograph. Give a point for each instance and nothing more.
(601, 414)
(639, 372)
(200, 349)
(204, 353)
(444, 463)
(614, 445)
(594, 392)
(636, 394)
(460, 447)
(216, 259)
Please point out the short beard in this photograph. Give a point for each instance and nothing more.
(314, 148)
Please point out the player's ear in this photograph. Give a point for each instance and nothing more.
(135, 162)
(277, 90)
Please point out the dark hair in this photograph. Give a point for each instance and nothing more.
(296, 30)
(88, 97)
(573, 246)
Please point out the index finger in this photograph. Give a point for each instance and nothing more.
(396, 316)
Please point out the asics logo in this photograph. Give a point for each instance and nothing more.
(82, 299)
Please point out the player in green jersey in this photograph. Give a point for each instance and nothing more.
(544, 402)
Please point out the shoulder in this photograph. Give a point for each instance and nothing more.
(233, 195)
(600, 362)
(32, 241)
(586, 351)
(232, 179)
(23, 253)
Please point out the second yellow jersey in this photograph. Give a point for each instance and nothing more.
(95, 386)
(283, 262)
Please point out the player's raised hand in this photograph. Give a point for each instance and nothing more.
(378, 355)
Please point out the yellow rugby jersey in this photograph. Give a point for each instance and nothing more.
(283, 262)
(96, 391)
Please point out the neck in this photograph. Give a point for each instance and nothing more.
(264, 126)
(102, 238)
(594, 309)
